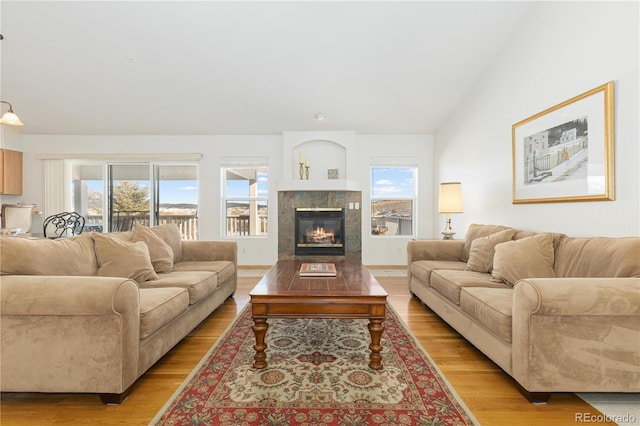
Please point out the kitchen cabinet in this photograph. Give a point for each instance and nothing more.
(10, 172)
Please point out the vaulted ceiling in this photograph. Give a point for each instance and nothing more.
(212, 67)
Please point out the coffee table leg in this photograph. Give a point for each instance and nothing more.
(375, 329)
(260, 327)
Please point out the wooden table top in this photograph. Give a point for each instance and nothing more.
(352, 280)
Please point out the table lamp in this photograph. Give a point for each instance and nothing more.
(450, 201)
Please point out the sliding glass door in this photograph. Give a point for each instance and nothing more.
(116, 196)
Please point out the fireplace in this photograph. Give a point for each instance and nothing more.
(319, 231)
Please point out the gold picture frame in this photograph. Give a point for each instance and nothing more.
(565, 153)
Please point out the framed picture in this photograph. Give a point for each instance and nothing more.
(565, 153)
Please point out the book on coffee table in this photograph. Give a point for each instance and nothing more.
(317, 270)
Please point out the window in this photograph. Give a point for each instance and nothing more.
(115, 196)
(393, 201)
(245, 200)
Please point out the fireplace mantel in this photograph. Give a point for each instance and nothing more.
(319, 185)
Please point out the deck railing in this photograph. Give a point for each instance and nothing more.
(188, 224)
(124, 221)
(241, 225)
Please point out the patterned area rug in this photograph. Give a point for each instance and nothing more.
(317, 374)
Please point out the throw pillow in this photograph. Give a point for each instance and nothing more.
(117, 258)
(530, 257)
(478, 231)
(41, 256)
(170, 234)
(160, 252)
(482, 250)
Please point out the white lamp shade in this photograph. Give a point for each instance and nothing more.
(450, 197)
(11, 119)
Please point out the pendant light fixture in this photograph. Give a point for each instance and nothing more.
(10, 118)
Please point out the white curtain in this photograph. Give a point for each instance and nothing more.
(57, 191)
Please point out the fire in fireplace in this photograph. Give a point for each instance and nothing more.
(319, 231)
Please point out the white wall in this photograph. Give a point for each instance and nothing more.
(562, 50)
(254, 250)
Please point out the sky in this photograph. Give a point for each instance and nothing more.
(393, 182)
(171, 191)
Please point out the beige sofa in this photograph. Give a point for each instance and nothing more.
(92, 313)
(558, 314)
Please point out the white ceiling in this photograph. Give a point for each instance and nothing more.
(209, 67)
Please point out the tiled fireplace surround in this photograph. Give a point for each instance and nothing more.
(288, 201)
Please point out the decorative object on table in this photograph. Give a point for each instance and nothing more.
(565, 153)
(18, 216)
(450, 201)
(10, 118)
(332, 173)
(318, 374)
(63, 225)
(306, 171)
(318, 270)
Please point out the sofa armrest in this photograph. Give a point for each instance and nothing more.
(68, 334)
(577, 334)
(65, 295)
(434, 250)
(194, 250)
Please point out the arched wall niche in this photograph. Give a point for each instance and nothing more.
(321, 156)
(322, 152)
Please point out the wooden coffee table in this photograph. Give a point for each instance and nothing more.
(352, 293)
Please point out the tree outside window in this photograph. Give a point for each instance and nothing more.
(130, 196)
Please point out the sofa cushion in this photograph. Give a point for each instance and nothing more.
(170, 234)
(160, 252)
(598, 257)
(40, 256)
(478, 231)
(490, 307)
(557, 237)
(449, 283)
(421, 269)
(530, 257)
(118, 258)
(199, 284)
(224, 269)
(160, 306)
(482, 250)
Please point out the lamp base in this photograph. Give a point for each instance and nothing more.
(448, 235)
(448, 231)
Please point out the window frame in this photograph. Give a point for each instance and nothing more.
(260, 198)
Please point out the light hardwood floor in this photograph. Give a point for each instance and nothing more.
(488, 392)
